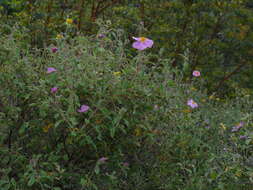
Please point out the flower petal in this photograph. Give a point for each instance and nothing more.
(196, 73)
(138, 45)
(84, 108)
(148, 43)
(54, 89)
(137, 39)
(51, 69)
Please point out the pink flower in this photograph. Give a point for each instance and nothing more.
(84, 108)
(51, 70)
(101, 35)
(156, 107)
(237, 127)
(102, 159)
(192, 104)
(243, 137)
(54, 49)
(54, 89)
(142, 43)
(126, 164)
(196, 73)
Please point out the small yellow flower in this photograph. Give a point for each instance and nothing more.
(50, 173)
(211, 97)
(59, 36)
(187, 111)
(47, 127)
(162, 158)
(238, 173)
(74, 129)
(69, 21)
(223, 126)
(167, 4)
(98, 121)
(156, 132)
(2, 69)
(117, 73)
(137, 132)
(69, 141)
(193, 89)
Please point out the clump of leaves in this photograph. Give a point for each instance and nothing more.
(91, 116)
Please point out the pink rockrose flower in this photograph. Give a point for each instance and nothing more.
(196, 73)
(83, 108)
(243, 137)
(101, 35)
(192, 103)
(237, 127)
(102, 159)
(54, 89)
(156, 107)
(54, 49)
(126, 164)
(142, 43)
(51, 70)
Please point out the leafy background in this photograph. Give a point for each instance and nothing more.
(138, 119)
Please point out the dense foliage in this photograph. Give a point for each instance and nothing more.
(139, 132)
(213, 35)
(82, 107)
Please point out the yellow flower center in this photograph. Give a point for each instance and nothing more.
(143, 39)
(69, 21)
(59, 36)
(47, 127)
(117, 73)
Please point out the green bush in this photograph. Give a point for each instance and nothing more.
(139, 132)
(214, 36)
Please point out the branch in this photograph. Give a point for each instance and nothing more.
(106, 6)
(80, 14)
(225, 78)
(9, 140)
(96, 10)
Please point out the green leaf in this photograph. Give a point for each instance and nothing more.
(56, 188)
(213, 175)
(112, 131)
(31, 181)
(96, 169)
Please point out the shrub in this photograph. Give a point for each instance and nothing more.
(135, 130)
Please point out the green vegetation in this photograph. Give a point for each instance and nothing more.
(82, 108)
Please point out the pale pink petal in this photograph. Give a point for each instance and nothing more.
(138, 45)
(149, 43)
(83, 108)
(192, 103)
(196, 73)
(54, 89)
(54, 49)
(142, 43)
(50, 70)
(103, 159)
(243, 137)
